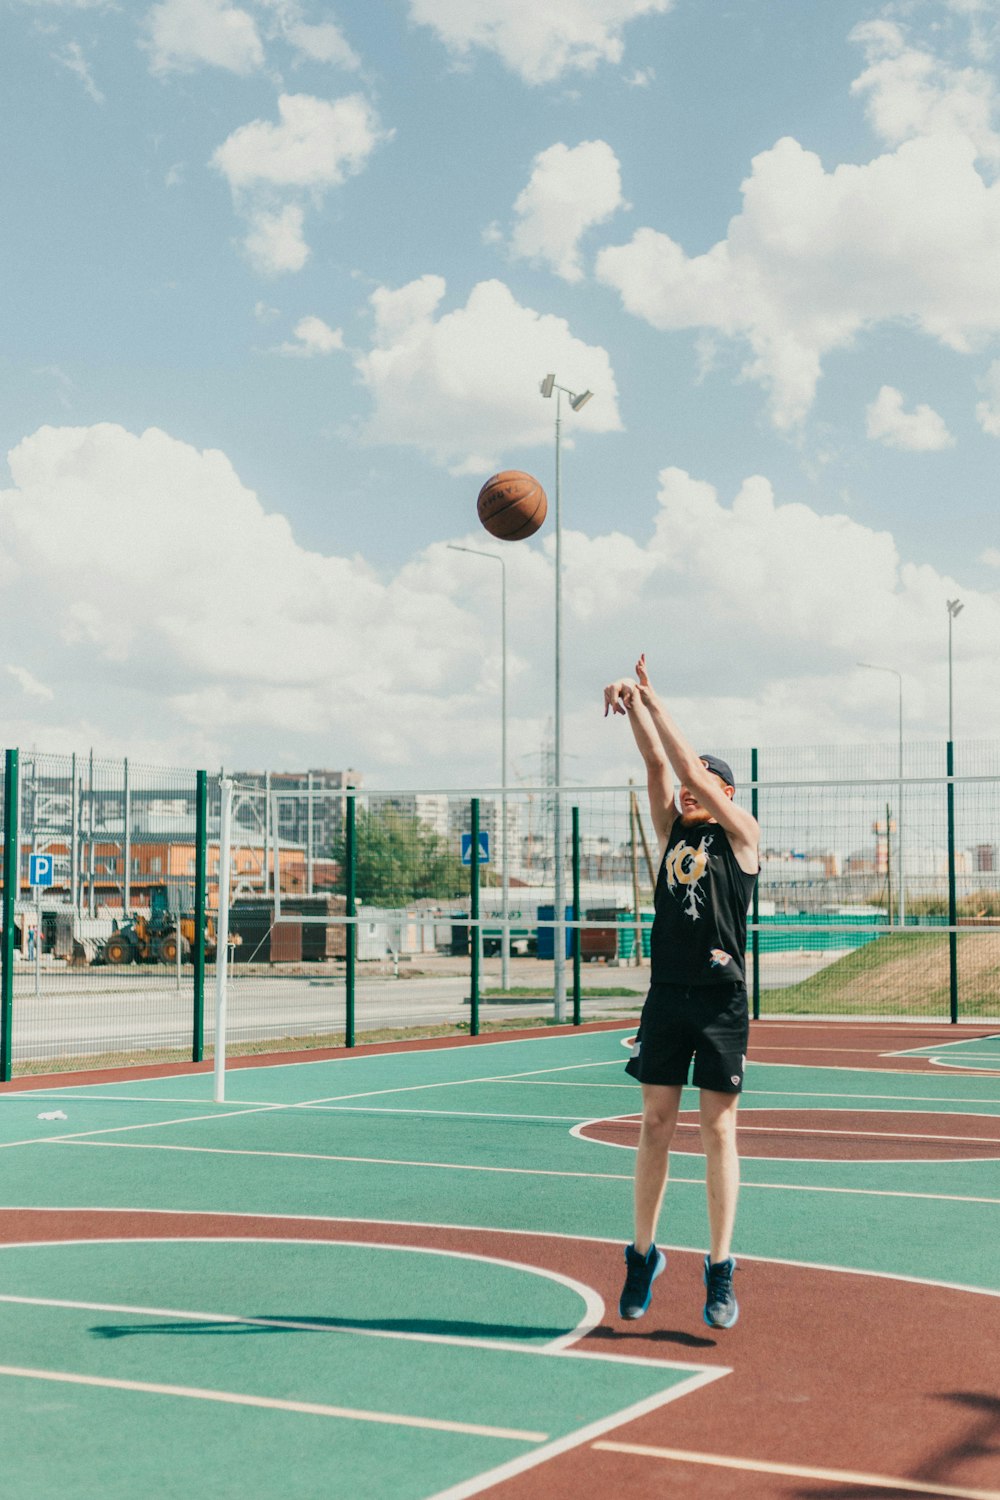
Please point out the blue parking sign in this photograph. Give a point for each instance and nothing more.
(484, 847)
(40, 869)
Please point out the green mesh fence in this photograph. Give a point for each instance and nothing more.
(861, 874)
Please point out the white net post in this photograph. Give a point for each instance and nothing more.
(222, 937)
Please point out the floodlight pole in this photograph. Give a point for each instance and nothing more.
(504, 862)
(548, 385)
(901, 892)
(954, 608)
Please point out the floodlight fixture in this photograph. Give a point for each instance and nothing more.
(547, 386)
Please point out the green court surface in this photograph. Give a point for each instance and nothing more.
(259, 1366)
(979, 1052)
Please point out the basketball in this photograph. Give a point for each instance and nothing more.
(512, 505)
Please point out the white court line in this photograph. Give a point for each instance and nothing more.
(262, 1108)
(577, 1439)
(854, 1161)
(272, 1403)
(360, 1054)
(632, 1088)
(947, 1062)
(45, 1140)
(845, 1068)
(116, 1210)
(460, 1114)
(958, 1041)
(798, 1471)
(451, 1083)
(451, 1166)
(593, 1303)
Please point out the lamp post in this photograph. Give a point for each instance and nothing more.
(954, 608)
(548, 385)
(901, 896)
(505, 877)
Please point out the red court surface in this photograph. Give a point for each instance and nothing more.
(831, 1135)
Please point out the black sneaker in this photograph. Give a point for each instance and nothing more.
(721, 1307)
(640, 1273)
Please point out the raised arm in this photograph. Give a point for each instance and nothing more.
(624, 697)
(692, 772)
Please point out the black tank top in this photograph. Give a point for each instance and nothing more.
(699, 932)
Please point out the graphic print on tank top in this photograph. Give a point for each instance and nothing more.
(684, 867)
(701, 901)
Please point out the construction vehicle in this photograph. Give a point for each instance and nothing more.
(141, 939)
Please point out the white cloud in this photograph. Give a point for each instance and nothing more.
(276, 241)
(187, 34)
(30, 685)
(814, 257)
(571, 189)
(319, 41)
(988, 411)
(176, 641)
(147, 637)
(539, 42)
(313, 336)
(72, 58)
(909, 92)
(316, 145)
(462, 386)
(920, 431)
(991, 557)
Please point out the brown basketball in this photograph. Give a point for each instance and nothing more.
(512, 505)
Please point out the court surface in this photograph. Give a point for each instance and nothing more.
(395, 1273)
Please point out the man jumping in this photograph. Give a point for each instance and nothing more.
(697, 1001)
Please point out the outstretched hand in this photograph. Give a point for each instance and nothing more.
(627, 692)
(619, 696)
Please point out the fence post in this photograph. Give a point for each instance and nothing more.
(350, 912)
(577, 934)
(952, 899)
(11, 886)
(200, 882)
(474, 920)
(755, 908)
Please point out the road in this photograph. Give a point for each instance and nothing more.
(80, 1013)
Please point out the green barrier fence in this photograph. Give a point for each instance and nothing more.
(353, 916)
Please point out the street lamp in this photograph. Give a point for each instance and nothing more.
(547, 386)
(901, 897)
(505, 932)
(954, 608)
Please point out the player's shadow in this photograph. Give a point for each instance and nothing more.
(980, 1440)
(307, 1323)
(653, 1336)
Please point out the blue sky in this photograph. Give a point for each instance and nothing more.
(282, 279)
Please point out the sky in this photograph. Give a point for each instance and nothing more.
(281, 280)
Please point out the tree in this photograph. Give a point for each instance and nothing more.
(399, 859)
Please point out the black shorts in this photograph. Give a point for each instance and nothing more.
(710, 1023)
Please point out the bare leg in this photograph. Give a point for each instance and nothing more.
(722, 1168)
(660, 1104)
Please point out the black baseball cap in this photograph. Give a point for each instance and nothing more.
(716, 764)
